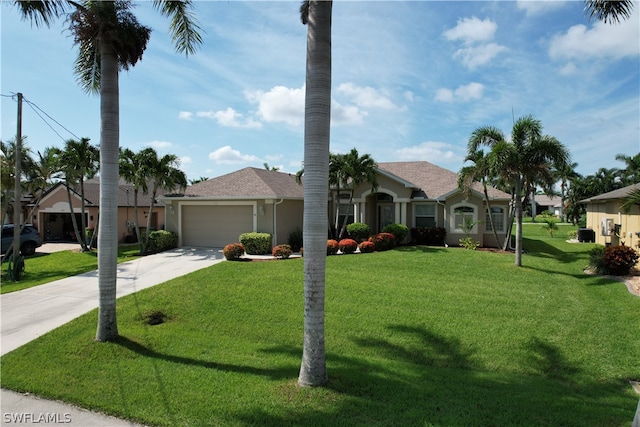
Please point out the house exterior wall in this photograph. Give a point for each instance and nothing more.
(288, 217)
(629, 222)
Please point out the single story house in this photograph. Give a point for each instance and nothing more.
(215, 212)
(612, 224)
(542, 202)
(52, 217)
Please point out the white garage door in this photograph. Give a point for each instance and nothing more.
(215, 226)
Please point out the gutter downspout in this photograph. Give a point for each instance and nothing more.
(275, 222)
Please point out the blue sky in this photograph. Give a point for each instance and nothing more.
(411, 81)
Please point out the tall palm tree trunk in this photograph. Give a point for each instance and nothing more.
(313, 370)
(74, 221)
(108, 242)
(493, 227)
(518, 207)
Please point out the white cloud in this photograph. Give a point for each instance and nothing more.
(537, 7)
(600, 41)
(185, 115)
(229, 118)
(475, 56)
(463, 93)
(431, 151)
(346, 114)
(569, 69)
(159, 144)
(366, 97)
(472, 30)
(185, 160)
(228, 156)
(280, 104)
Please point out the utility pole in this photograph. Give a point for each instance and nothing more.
(17, 208)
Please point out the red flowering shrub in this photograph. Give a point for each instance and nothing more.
(233, 251)
(332, 247)
(347, 246)
(282, 251)
(619, 260)
(383, 241)
(367, 247)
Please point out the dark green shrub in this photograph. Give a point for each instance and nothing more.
(347, 246)
(399, 231)
(161, 240)
(256, 243)
(433, 236)
(367, 247)
(619, 260)
(295, 240)
(233, 251)
(332, 247)
(358, 231)
(383, 241)
(282, 251)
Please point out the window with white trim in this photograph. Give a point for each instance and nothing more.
(463, 215)
(498, 219)
(425, 215)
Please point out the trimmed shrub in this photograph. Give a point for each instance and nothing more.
(295, 240)
(233, 251)
(359, 231)
(256, 243)
(282, 251)
(399, 231)
(619, 260)
(332, 247)
(161, 240)
(347, 246)
(383, 241)
(366, 247)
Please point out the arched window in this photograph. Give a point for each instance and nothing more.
(465, 218)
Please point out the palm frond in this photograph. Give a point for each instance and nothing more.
(608, 11)
(184, 28)
(41, 12)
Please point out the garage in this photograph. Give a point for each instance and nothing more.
(215, 225)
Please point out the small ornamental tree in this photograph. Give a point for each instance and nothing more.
(332, 247)
(233, 251)
(282, 251)
(366, 247)
(383, 241)
(347, 246)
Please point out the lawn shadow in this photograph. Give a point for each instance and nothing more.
(420, 248)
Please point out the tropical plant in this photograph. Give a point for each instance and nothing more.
(524, 161)
(614, 260)
(631, 173)
(233, 251)
(317, 16)
(133, 167)
(295, 240)
(550, 225)
(608, 11)
(110, 38)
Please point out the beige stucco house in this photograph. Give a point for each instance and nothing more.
(215, 212)
(612, 224)
(52, 217)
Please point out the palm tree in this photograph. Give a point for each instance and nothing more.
(479, 171)
(134, 168)
(317, 16)
(631, 173)
(353, 171)
(109, 39)
(163, 173)
(608, 11)
(523, 162)
(198, 180)
(565, 174)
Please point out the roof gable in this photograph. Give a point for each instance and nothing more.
(249, 183)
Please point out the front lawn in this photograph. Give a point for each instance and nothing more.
(415, 336)
(44, 268)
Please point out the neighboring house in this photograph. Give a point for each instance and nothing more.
(543, 203)
(53, 216)
(612, 224)
(215, 212)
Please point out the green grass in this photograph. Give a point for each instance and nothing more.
(44, 268)
(414, 336)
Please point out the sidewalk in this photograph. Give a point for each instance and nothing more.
(33, 312)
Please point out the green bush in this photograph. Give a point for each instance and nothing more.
(366, 247)
(233, 251)
(399, 231)
(572, 235)
(383, 241)
(282, 251)
(358, 231)
(469, 243)
(332, 247)
(295, 240)
(434, 236)
(256, 243)
(161, 240)
(347, 246)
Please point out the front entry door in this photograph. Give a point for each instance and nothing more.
(385, 215)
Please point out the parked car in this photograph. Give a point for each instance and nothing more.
(29, 239)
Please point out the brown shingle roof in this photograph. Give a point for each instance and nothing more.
(249, 183)
(125, 193)
(620, 193)
(435, 181)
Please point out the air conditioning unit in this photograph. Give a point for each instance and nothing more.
(607, 226)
